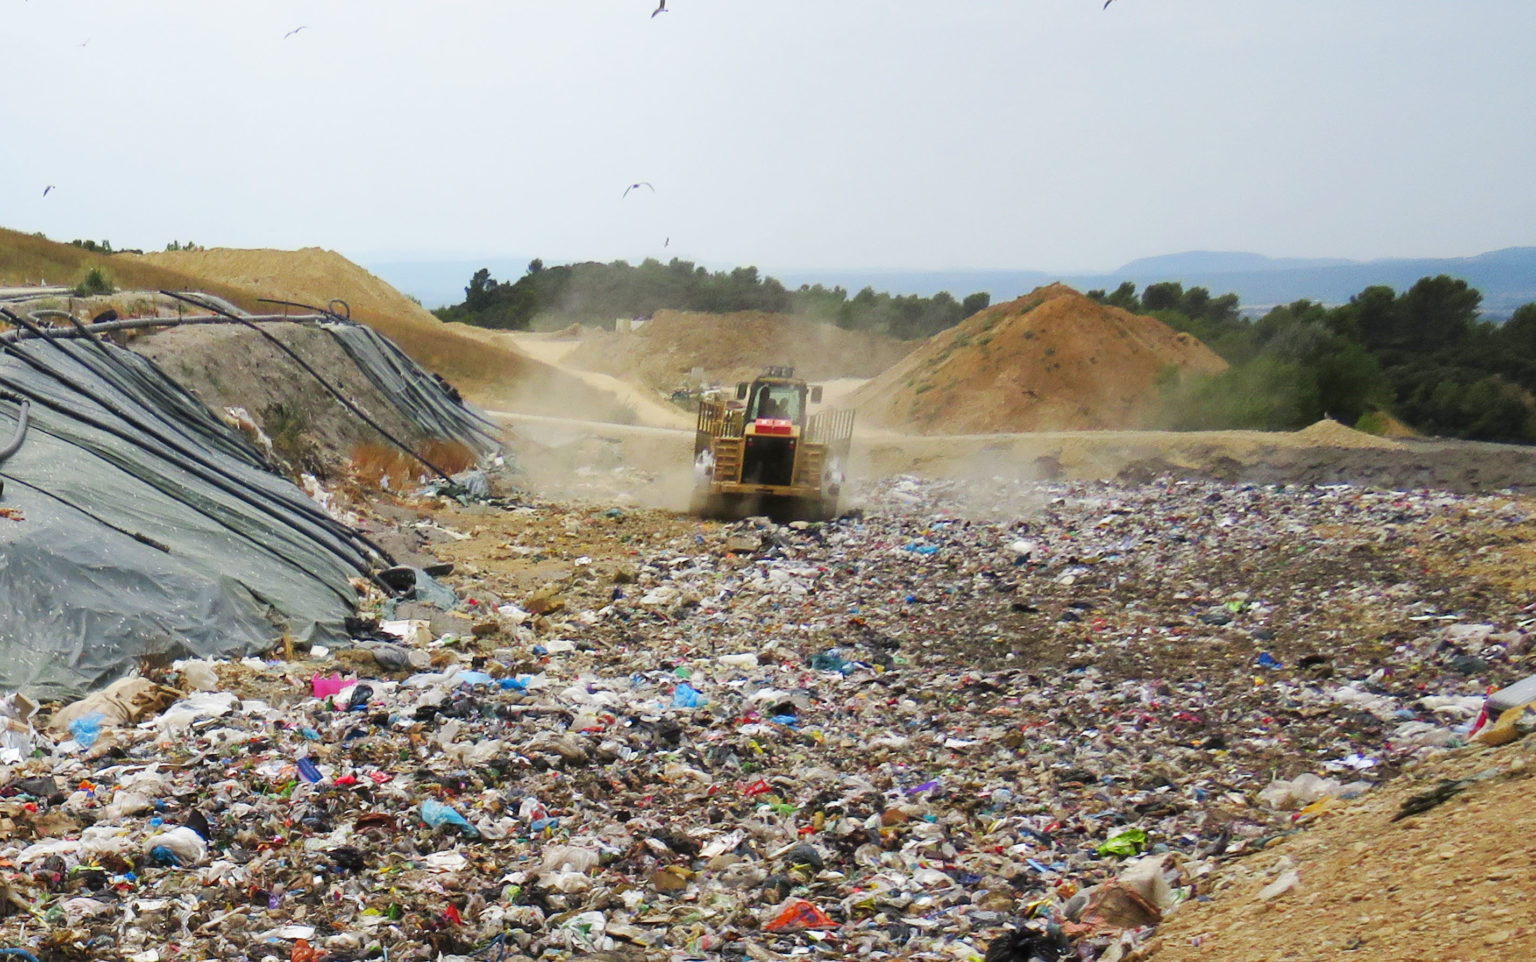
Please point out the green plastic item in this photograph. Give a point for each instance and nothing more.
(1132, 841)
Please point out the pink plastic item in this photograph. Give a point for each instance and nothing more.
(325, 687)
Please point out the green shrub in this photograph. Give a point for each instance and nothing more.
(95, 281)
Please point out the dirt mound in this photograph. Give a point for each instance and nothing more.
(307, 429)
(493, 375)
(27, 260)
(664, 352)
(1451, 882)
(1051, 360)
(310, 275)
(1330, 433)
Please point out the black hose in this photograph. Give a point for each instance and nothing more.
(358, 546)
(323, 383)
(327, 310)
(234, 487)
(260, 545)
(176, 396)
(149, 323)
(400, 378)
(143, 539)
(14, 444)
(355, 544)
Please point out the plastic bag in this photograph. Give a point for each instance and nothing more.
(324, 687)
(1129, 842)
(800, 914)
(686, 696)
(87, 729)
(436, 814)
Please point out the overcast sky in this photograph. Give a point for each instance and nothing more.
(793, 134)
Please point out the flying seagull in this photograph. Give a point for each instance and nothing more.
(1107, 3)
(47, 189)
(643, 183)
(294, 31)
(660, 9)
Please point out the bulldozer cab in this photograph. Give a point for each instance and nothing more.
(777, 402)
(777, 396)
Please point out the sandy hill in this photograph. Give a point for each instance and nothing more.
(733, 347)
(491, 374)
(1364, 875)
(1051, 360)
(27, 260)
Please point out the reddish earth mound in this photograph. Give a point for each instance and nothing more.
(732, 347)
(1051, 360)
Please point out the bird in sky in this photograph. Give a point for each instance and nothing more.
(660, 9)
(643, 183)
(1107, 3)
(294, 31)
(47, 189)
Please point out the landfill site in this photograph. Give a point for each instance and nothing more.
(333, 632)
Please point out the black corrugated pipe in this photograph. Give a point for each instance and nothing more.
(323, 382)
(14, 444)
(329, 309)
(191, 460)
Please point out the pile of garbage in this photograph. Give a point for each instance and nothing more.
(1001, 721)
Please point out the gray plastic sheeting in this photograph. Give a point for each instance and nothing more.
(148, 527)
(418, 395)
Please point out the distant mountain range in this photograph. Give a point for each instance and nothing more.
(1506, 278)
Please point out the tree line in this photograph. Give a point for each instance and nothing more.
(598, 294)
(1423, 356)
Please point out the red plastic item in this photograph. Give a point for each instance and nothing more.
(304, 952)
(801, 914)
(758, 787)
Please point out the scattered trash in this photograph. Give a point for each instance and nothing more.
(799, 914)
(1129, 842)
(827, 745)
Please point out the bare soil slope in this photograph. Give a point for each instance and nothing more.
(494, 375)
(733, 347)
(1450, 883)
(1052, 360)
(309, 430)
(27, 260)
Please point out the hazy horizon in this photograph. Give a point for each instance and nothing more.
(867, 135)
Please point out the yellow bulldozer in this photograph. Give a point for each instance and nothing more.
(763, 453)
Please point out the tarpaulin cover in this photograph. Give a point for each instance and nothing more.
(134, 522)
(419, 396)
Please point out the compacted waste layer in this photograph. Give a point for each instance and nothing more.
(978, 718)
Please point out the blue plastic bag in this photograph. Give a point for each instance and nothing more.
(686, 696)
(87, 728)
(436, 814)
